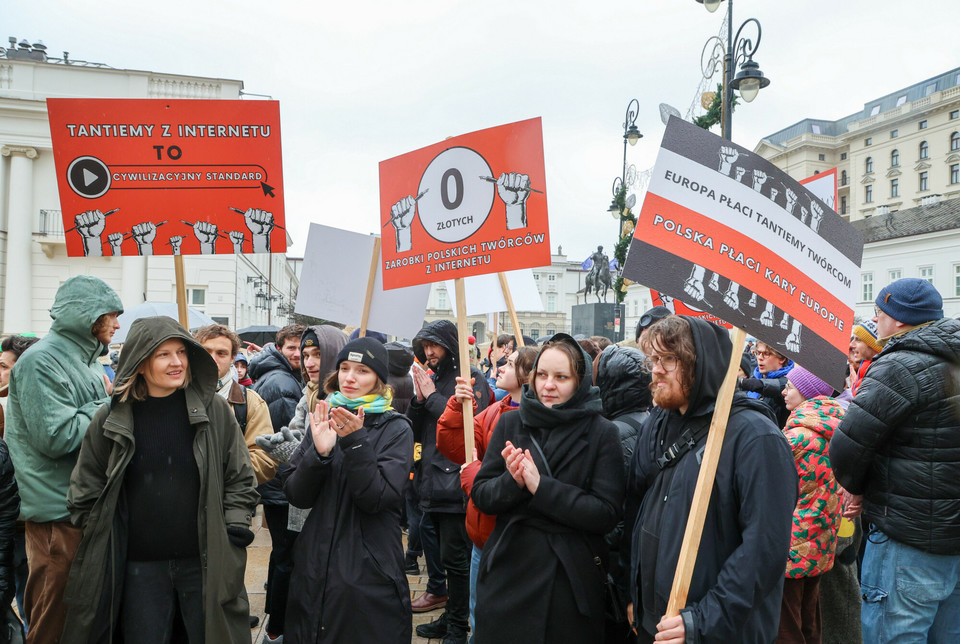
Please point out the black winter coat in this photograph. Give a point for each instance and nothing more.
(9, 511)
(899, 442)
(625, 392)
(541, 576)
(281, 387)
(737, 581)
(348, 583)
(439, 477)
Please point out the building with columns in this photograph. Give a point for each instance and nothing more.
(234, 289)
(900, 149)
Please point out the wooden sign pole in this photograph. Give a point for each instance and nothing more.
(374, 262)
(181, 292)
(708, 471)
(511, 311)
(464, 345)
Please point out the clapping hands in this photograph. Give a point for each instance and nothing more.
(522, 467)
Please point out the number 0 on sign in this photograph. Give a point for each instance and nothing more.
(456, 198)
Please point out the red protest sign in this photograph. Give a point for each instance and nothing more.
(168, 177)
(728, 232)
(470, 205)
(679, 308)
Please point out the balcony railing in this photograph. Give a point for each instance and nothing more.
(50, 223)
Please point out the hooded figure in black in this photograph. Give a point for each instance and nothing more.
(737, 581)
(541, 575)
(439, 479)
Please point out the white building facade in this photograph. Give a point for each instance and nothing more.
(33, 260)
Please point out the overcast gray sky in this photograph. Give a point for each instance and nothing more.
(362, 82)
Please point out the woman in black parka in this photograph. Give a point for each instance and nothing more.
(348, 583)
(554, 477)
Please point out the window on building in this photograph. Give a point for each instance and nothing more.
(550, 331)
(843, 156)
(868, 194)
(843, 177)
(929, 89)
(536, 276)
(955, 174)
(901, 100)
(868, 141)
(535, 331)
(955, 114)
(822, 157)
(894, 134)
(923, 181)
(895, 158)
(442, 300)
(924, 150)
(956, 280)
(894, 274)
(866, 283)
(815, 128)
(955, 141)
(894, 187)
(551, 277)
(843, 205)
(868, 165)
(551, 303)
(926, 273)
(198, 296)
(220, 320)
(922, 125)
(875, 110)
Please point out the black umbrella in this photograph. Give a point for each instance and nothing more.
(259, 334)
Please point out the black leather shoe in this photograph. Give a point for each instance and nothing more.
(434, 630)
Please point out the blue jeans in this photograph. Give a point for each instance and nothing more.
(909, 595)
(152, 591)
(474, 571)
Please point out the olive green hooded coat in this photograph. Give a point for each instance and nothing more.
(97, 504)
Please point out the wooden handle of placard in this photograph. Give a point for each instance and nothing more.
(181, 291)
(368, 298)
(511, 310)
(708, 471)
(464, 345)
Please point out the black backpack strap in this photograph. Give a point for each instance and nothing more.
(689, 439)
(629, 420)
(240, 411)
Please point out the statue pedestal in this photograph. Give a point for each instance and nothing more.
(598, 318)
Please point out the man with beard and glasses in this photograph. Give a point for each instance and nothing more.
(737, 584)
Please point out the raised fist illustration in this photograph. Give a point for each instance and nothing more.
(401, 216)
(715, 282)
(740, 172)
(175, 242)
(753, 300)
(759, 177)
(784, 321)
(261, 224)
(207, 236)
(514, 188)
(667, 301)
(766, 318)
(727, 156)
(732, 297)
(816, 216)
(694, 284)
(804, 213)
(115, 240)
(144, 234)
(791, 200)
(773, 194)
(237, 238)
(793, 340)
(90, 225)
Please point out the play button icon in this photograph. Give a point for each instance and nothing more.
(89, 177)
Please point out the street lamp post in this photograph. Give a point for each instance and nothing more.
(749, 80)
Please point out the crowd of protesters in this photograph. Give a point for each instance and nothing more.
(126, 495)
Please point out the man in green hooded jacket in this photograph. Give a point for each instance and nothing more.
(55, 389)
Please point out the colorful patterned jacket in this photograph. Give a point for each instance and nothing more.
(816, 518)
